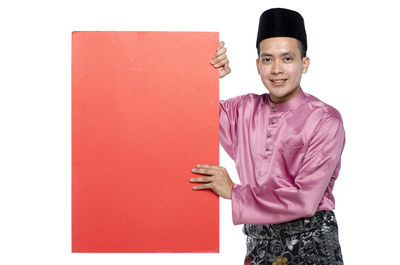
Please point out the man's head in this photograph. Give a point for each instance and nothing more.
(281, 47)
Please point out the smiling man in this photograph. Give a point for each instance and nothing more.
(287, 148)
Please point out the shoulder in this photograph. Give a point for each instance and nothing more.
(325, 111)
(328, 123)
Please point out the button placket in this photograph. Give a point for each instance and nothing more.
(268, 144)
(270, 127)
(268, 139)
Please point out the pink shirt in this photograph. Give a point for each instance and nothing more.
(287, 156)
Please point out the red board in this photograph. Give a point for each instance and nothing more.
(144, 113)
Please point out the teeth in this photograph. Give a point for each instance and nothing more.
(278, 81)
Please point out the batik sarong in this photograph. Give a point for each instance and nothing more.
(311, 240)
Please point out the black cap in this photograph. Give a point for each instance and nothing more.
(281, 22)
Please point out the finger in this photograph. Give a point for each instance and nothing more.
(207, 166)
(220, 58)
(220, 45)
(202, 187)
(220, 51)
(221, 63)
(204, 171)
(202, 179)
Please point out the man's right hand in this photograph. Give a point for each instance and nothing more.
(220, 60)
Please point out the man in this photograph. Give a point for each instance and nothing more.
(287, 147)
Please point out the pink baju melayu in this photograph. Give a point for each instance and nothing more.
(287, 156)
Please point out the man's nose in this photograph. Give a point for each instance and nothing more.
(277, 68)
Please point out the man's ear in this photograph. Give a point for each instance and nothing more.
(306, 63)
(258, 65)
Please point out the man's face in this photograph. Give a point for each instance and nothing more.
(280, 66)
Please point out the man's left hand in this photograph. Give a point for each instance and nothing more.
(218, 180)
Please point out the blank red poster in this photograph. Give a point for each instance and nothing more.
(144, 113)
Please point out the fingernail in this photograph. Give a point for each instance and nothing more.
(194, 188)
(191, 179)
(193, 170)
(212, 62)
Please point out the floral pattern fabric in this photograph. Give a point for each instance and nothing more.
(312, 240)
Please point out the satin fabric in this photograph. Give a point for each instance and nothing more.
(287, 156)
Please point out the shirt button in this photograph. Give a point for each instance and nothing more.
(269, 148)
(273, 121)
(268, 135)
(274, 108)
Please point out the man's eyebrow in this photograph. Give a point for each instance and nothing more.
(288, 53)
(265, 54)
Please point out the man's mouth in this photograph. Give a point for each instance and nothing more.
(278, 81)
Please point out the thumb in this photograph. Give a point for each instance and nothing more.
(226, 67)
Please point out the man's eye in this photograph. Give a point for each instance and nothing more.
(267, 60)
(288, 59)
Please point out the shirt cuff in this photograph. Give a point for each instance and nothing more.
(236, 213)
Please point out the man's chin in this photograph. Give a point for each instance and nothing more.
(279, 96)
(277, 93)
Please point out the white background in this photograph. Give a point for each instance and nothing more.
(354, 51)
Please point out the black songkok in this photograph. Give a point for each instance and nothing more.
(281, 22)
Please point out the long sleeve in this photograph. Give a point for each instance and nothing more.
(318, 171)
(228, 116)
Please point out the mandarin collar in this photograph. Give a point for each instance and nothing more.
(291, 104)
